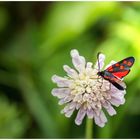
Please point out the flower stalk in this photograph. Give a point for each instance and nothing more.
(89, 128)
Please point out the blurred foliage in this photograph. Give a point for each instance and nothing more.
(13, 122)
(36, 39)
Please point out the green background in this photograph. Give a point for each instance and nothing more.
(35, 42)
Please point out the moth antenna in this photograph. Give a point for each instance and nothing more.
(98, 61)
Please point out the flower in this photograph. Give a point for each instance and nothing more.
(83, 90)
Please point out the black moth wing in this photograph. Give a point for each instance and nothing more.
(118, 83)
(121, 68)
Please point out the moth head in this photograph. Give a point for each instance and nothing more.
(100, 73)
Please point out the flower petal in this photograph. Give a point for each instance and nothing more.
(90, 71)
(78, 106)
(90, 113)
(70, 72)
(89, 65)
(68, 109)
(61, 82)
(101, 119)
(69, 113)
(69, 106)
(115, 90)
(80, 116)
(78, 61)
(118, 95)
(116, 101)
(100, 62)
(60, 92)
(65, 100)
(98, 121)
(111, 111)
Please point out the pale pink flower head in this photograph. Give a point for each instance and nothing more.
(83, 90)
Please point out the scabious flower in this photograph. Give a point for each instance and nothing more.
(83, 90)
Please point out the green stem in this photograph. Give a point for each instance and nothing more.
(89, 128)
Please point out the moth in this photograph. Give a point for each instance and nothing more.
(115, 73)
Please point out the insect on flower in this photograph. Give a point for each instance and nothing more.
(88, 90)
(117, 71)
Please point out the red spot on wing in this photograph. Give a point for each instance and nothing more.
(124, 62)
(129, 63)
(117, 64)
(121, 74)
(110, 69)
(121, 67)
